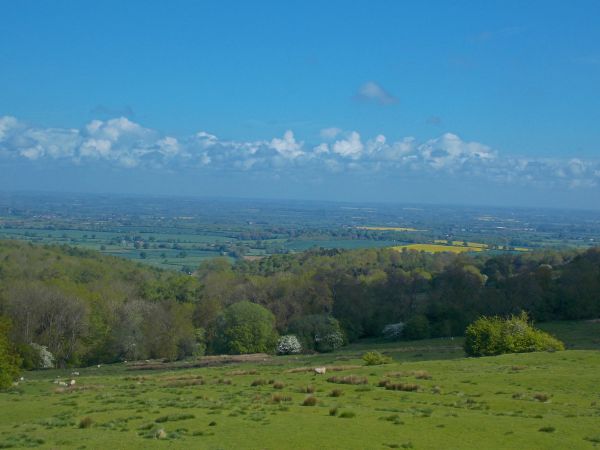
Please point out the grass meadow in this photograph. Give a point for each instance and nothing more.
(429, 397)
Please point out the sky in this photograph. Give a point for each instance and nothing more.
(462, 102)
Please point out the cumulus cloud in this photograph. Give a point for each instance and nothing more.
(351, 147)
(123, 143)
(451, 152)
(373, 92)
(287, 147)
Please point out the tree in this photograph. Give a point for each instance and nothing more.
(245, 327)
(48, 317)
(9, 361)
(417, 327)
(319, 332)
(489, 336)
(288, 345)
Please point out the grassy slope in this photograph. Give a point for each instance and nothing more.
(467, 403)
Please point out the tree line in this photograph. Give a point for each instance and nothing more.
(85, 308)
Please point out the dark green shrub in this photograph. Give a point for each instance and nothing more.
(417, 327)
(494, 336)
(246, 327)
(30, 357)
(9, 360)
(318, 332)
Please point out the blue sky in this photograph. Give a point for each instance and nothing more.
(448, 101)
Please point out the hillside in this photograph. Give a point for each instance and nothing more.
(435, 397)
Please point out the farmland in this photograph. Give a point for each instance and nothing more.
(437, 248)
(180, 233)
(505, 401)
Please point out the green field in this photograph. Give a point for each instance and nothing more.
(524, 401)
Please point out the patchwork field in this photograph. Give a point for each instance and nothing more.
(438, 248)
(429, 397)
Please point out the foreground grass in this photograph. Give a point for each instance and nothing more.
(532, 401)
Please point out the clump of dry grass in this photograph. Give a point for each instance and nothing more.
(300, 369)
(278, 398)
(310, 401)
(309, 389)
(541, 397)
(407, 387)
(422, 375)
(278, 385)
(234, 373)
(341, 368)
(184, 383)
(336, 393)
(258, 382)
(349, 379)
(86, 422)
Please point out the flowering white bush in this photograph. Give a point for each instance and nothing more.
(46, 360)
(288, 344)
(393, 330)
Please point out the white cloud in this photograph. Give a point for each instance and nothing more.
(373, 92)
(351, 147)
(7, 124)
(287, 147)
(449, 152)
(321, 149)
(123, 143)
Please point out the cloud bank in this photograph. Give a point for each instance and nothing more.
(123, 143)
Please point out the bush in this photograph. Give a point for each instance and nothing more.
(376, 358)
(318, 332)
(246, 327)
(9, 360)
(30, 357)
(489, 336)
(393, 331)
(288, 345)
(329, 342)
(45, 359)
(417, 327)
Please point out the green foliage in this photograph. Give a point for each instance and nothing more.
(87, 308)
(9, 360)
(417, 327)
(30, 356)
(246, 327)
(374, 358)
(318, 332)
(494, 336)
